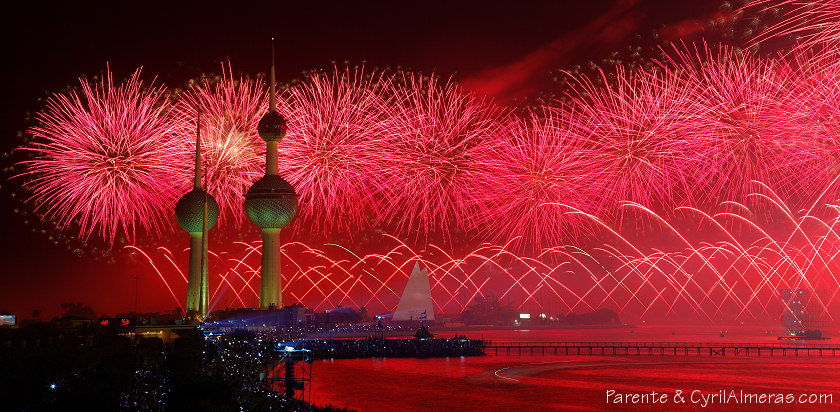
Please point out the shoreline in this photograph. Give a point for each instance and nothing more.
(534, 327)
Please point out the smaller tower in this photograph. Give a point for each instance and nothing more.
(271, 203)
(197, 212)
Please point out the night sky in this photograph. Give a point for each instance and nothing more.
(501, 49)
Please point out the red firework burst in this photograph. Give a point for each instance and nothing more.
(233, 155)
(537, 165)
(436, 155)
(748, 125)
(332, 152)
(812, 98)
(637, 128)
(106, 159)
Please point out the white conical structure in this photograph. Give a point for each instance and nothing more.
(416, 300)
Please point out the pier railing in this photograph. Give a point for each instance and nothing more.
(663, 348)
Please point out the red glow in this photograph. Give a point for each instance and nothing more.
(106, 160)
(734, 275)
(414, 160)
(232, 154)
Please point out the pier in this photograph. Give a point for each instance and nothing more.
(662, 349)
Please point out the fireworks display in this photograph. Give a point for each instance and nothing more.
(334, 147)
(538, 163)
(106, 159)
(732, 274)
(232, 154)
(749, 126)
(438, 147)
(416, 157)
(638, 131)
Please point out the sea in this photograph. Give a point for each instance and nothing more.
(586, 383)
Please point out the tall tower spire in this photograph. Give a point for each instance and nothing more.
(196, 212)
(280, 129)
(197, 179)
(271, 203)
(272, 102)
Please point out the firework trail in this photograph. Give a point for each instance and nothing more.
(747, 127)
(813, 95)
(735, 275)
(535, 162)
(637, 129)
(724, 265)
(233, 155)
(729, 267)
(436, 155)
(332, 154)
(813, 24)
(105, 159)
(333, 275)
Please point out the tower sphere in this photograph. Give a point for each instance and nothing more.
(271, 203)
(189, 211)
(272, 126)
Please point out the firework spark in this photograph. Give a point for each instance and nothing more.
(536, 162)
(233, 155)
(332, 152)
(436, 155)
(105, 159)
(813, 24)
(637, 129)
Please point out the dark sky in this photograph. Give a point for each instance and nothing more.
(497, 48)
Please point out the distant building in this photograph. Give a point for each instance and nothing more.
(166, 333)
(289, 315)
(802, 313)
(293, 315)
(73, 322)
(7, 320)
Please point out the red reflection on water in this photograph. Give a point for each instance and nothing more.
(571, 382)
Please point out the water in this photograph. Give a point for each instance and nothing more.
(576, 383)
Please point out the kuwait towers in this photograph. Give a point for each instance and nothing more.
(196, 212)
(271, 203)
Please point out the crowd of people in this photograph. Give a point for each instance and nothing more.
(310, 330)
(150, 385)
(219, 364)
(400, 348)
(241, 360)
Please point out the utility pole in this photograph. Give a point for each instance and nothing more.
(136, 284)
